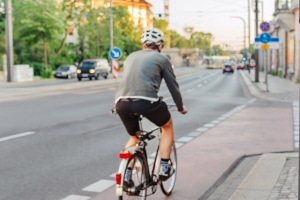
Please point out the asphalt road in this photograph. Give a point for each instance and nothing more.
(58, 138)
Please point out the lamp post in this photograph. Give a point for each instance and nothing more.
(244, 30)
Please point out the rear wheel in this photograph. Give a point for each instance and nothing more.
(136, 188)
(168, 185)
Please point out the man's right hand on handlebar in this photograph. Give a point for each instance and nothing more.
(183, 111)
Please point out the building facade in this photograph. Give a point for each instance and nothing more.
(286, 26)
(139, 10)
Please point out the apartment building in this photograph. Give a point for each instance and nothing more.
(140, 11)
(286, 26)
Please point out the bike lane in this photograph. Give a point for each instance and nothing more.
(255, 129)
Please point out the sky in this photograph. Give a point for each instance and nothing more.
(224, 19)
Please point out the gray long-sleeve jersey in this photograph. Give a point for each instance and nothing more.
(143, 74)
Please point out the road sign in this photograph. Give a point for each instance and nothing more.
(265, 38)
(115, 53)
(264, 26)
(273, 43)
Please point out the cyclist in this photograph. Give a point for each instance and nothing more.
(138, 93)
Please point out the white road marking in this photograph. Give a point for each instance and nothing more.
(99, 186)
(215, 122)
(76, 197)
(201, 129)
(194, 134)
(296, 123)
(16, 136)
(178, 145)
(184, 139)
(208, 125)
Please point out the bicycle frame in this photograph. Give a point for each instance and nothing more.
(151, 178)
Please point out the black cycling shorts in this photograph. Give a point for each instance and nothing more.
(156, 112)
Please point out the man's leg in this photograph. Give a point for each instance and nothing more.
(131, 142)
(167, 138)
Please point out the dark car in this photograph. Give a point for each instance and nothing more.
(228, 67)
(65, 71)
(93, 68)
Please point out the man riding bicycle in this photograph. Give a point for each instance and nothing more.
(138, 93)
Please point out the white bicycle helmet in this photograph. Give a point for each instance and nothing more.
(153, 35)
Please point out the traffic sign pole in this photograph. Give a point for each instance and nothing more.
(115, 66)
(115, 54)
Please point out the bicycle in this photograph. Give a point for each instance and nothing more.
(143, 176)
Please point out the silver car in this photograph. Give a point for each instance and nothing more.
(65, 71)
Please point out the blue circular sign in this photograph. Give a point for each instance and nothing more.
(115, 53)
(265, 38)
(264, 26)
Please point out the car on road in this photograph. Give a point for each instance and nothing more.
(93, 68)
(252, 63)
(241, 65)
(228, 67)
(65, 71)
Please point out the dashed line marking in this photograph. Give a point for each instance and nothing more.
(296, 123)
(16, 136)
(76, 197)
(178, 145)
(201, 129)
(210, 125)
(99, 186)
(184, 139)
(194, 134)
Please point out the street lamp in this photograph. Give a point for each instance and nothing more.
(244, 30)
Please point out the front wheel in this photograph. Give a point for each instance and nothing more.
(135, 185)
(168, 185)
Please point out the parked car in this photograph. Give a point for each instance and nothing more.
(93, 68)
(252, 63)
(65, 71)
(228, 67)
(241, 65)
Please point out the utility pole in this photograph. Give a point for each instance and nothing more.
(111, 30)
(256, 50)
(249, 25)
(9, 41)
(166, 13)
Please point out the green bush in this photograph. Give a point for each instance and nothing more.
(274, 73)
(46, 73)
(37, 68)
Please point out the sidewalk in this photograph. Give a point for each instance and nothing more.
(272, 176)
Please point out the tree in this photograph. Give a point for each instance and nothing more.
(38, 29)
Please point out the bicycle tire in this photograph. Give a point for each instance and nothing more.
(168, 185)
(138, 178)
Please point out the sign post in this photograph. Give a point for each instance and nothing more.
(265, 42)
(115, 54)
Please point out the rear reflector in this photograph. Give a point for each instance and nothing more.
(125, 155)
(118, 179)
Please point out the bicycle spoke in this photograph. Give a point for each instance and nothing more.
(168, 185)
(138, 178)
